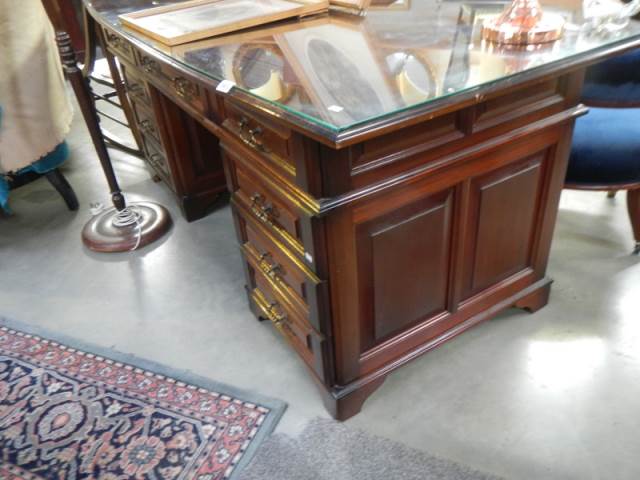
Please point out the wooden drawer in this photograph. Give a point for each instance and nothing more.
(273, 304)
(146, 123)
(157, 159)
(272, 209)
(119, 46)
(275, 143)
(521, 106)
(285, 269)
(148, 129)
(172, 81)
(136, 86)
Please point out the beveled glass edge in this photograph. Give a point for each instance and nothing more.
(562, 65)
(340, 134)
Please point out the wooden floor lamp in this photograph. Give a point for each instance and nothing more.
(121, 228)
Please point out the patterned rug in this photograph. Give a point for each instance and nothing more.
(68, 414)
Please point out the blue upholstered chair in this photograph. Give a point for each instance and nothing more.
(605, 154)
(614, 83)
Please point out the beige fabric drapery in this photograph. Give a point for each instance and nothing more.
(36, 111)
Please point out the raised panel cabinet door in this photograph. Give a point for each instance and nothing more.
(502, 223)
(403, 266)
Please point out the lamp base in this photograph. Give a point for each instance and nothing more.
(101, 233)
(547, 29)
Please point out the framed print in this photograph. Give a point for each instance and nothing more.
(252, 59)
(351, 6)
(339, 71)
(390, 5)
(197, 19)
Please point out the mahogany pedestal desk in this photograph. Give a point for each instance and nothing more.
(394, 180)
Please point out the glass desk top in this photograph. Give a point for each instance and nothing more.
(339, 71)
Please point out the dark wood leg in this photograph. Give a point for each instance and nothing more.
(195, 207)
(611, 193)
(535, 300)
(343, 405)
(633, 205)
(60, 183)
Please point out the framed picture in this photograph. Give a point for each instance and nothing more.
(197, 19)
(390, 5)
(252, 59)
(339, 71)
(351, 6)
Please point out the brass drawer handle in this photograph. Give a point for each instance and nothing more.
(150, 66)
(117, 42)
(256, 198)
(276, 315)
(254, 138)
(271, 311)
(263, 209)
(272, 269)
(146, 126)
(263, 256)
(137, 91)
(184, 88)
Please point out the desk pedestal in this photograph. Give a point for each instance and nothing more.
(368, 252)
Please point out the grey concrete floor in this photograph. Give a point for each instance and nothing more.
(554, 395)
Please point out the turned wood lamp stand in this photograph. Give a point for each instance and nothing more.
(121, 228)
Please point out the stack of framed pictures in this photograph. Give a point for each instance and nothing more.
(339, 68)
(197, 19)
(192, 20)
(325, 67)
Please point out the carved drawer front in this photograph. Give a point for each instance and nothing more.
(520, 106)
(285, 269)
(171, 80)
(136, 87)
(273, 304)
(156, 157)
(146, 123)
(152, 144)
(277, 213)
(272, 142)
(119, 46)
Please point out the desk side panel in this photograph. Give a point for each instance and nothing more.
(417, 260)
